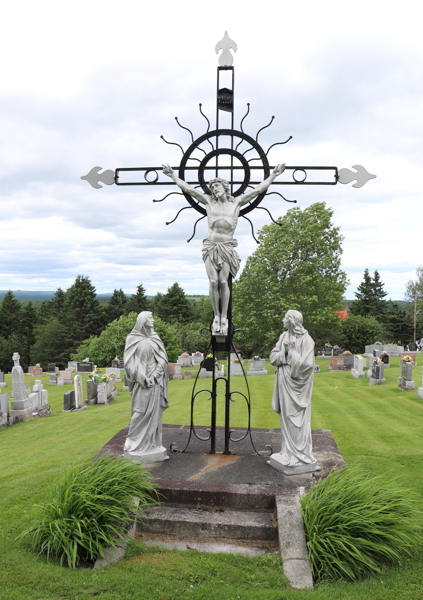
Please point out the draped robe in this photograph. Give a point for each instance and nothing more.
(292, 395)
(145, 362)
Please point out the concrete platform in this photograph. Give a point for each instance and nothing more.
(243, 466)
(233, 503)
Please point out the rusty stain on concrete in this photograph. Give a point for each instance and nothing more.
(213, 463)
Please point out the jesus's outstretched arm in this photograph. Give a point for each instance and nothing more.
(184, 186)
(262, 187)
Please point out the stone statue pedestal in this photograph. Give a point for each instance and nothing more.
(276, 462)
(159, 454)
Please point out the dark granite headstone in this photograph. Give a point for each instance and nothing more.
(328, 350)
(69, 400)
(385, 359)
(92, 390)
(208, 364)
(412, 346)
(85, 367)
(117, 364)
(51, 368)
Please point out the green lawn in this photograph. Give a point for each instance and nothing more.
(380, 426)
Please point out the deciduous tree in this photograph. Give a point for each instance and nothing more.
(296, 266)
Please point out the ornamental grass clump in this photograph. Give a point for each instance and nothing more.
(90, 508)
(356, 523)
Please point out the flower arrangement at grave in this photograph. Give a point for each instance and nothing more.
(347, 352)
(256, 357)
(99, 377)
(197, 353)
(384, 353)
(236, 360)
(376, 360)
(209, 355)
(328, 345)
(185, 354)
(407, 359)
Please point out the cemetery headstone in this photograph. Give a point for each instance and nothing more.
(349, 361)
(197, 359)
(337, 363)
(92, 392)
(60, 381)
(52, 378)
(328, 350)
(187, 375)
(376, 353)
(236, 368)
(412, 355)
(185, 361)
(51, 368)
(66, 376)
(420, 388)
(102, 393)
(69, 400)
(405, 380)
(1, 377)
(18, 380)
(377, 376)
(72, 364)
(358, 370)
(317, 368)
(177, 374)
(4, 403)
(256, 367)
(208, 363)
(111, 370)
(79, 391)
(84, 367)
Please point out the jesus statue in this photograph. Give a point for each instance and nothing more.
(219, 254)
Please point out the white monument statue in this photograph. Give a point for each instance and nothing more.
(145, 362)
(293, 357)
(219, 254)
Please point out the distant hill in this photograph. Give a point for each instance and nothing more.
(24, 296)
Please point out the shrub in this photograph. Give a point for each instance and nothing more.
(90, 508)
(355, 523)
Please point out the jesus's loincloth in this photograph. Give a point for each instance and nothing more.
(220, 253)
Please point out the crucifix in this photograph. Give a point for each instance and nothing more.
(225, 174)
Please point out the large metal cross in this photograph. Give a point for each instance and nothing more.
(212, 153)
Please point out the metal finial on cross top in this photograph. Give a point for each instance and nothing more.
(223, 181)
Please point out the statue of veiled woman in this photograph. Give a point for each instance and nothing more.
(145, 361)
(293, 357)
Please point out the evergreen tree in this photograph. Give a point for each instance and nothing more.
(10, 315)
(370, 297)
(379, 294)
(57, 304)
(52, 343)
(116, 306)
(398, 323)
(357, 331)
(83, 313)
(174, 307)
(27, 333)
(364, 294)
(138, 301)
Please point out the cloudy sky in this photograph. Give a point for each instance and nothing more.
(94, 83)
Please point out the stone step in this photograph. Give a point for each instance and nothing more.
(204, 524)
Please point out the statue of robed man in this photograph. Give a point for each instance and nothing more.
(146, 363)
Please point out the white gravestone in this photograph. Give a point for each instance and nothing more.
(358, 370)
(102, 393)
(116, 372)
(4, 404)
(18, 381)
(79, 391)
(185, 361)
(197, 359)
(256, 367)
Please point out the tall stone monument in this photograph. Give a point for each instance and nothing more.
(21, 404)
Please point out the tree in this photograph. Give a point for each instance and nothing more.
(296, 266)
(10, 315)
(370, 297)
(51, 343)
(27, 332)
(174, 307)
(398, 323)
(116, 306)
(7, 347)
(83, 312)
(204, 311)
(111, 342)
(357, 331)
(191, 338)
(138, 301)
(414, 294)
